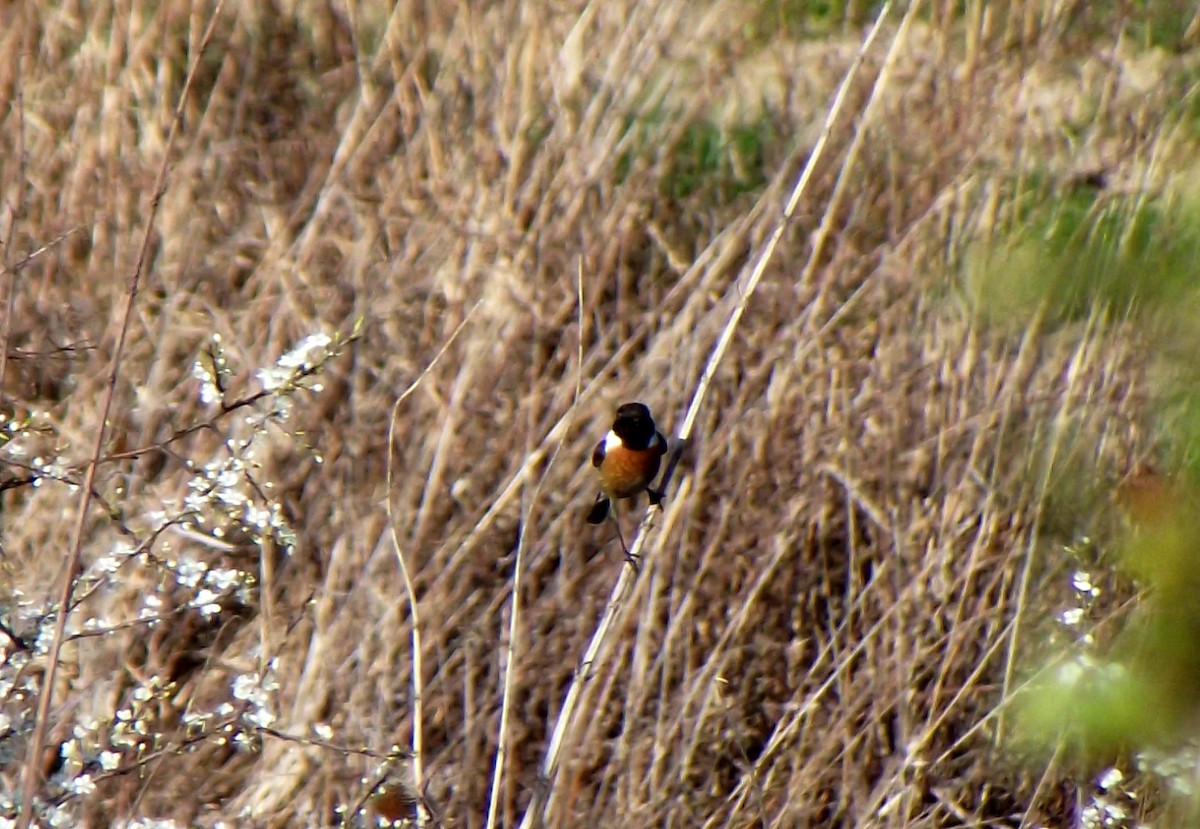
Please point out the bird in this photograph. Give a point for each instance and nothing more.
(627, 460)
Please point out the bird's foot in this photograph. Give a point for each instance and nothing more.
(634, 561)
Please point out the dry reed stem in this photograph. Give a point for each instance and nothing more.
(899, 39)
(544, 797)
(410, 594)
(514, 611)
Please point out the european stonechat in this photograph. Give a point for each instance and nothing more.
(627, 459)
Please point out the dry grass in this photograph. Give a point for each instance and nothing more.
(823, 631)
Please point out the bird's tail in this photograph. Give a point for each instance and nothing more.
(599, 510)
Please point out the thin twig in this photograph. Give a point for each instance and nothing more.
(14, 212)
(16, 640)
(223, 411)
(543, 798)
(46, 691)
(410, 592)
(328, 745)
(29, 258)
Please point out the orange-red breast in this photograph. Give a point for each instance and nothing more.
(628, 458)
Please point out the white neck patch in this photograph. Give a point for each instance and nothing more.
(612, 441)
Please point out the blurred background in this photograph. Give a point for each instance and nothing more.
(928, 561)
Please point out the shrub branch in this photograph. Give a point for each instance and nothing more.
(70, 569)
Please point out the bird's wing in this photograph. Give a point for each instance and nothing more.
(598, 454)
(660, 443)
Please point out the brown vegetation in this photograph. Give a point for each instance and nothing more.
(866, 525)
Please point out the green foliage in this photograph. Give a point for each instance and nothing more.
(1084, 253)
(727, 164)
(1143, 24)
(1127, 264)
(1187, 89)
(718, 164)
(1161, 23)
(1142, 691)
(797, 19)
